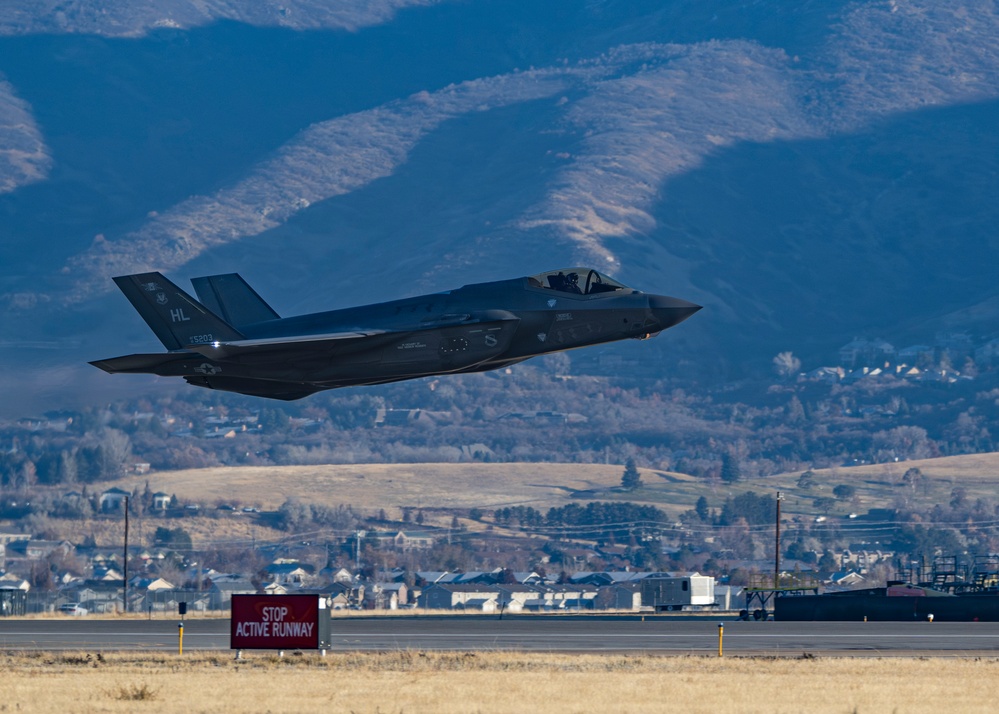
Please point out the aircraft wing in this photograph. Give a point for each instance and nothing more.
(282, 345)
(499, 324)
(164, 364)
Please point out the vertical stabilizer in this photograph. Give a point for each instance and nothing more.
(178, 320)
(233, 299)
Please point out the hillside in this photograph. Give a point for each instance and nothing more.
(441, 492)
(370, 487)
(808, 173)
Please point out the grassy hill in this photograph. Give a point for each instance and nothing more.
(439, 489)
(370, 487)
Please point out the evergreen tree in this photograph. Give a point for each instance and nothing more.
(631, 479)
(730, 471)
(701, 508)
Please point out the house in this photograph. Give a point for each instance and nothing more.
(220, 593)
(571, 597)
(435, 576)
(167, 600)
(107, 574)
(113, 498)
(146, 584)
(333, 574)
(399, 591)
(9, 580)
(290, 573)
(609, 577)
(220, 434)
(621, 596)
(382, 596)
(458, 597)
(38, 549)
(380, 539)
(578, 557)
(8, 537)
(73, 498)
(829, 375)
(515, 597)
(102, 606)
(161, 501)
(347, 593)
(339, 601)
(485, 604)
(408, 417)
(412, 541)
(96, 595)
(846, 579)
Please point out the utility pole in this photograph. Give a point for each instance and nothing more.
(780, 497)
(124, 570)
(357, 552)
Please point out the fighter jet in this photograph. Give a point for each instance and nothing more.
(234, 341)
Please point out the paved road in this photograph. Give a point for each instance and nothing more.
(538, 634)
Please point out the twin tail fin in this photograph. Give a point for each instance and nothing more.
(178, 320)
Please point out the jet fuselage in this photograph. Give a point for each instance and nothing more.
(474, 328)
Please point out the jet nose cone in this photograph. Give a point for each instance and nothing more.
(670, 311)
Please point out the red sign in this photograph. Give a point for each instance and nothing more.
(275, 622)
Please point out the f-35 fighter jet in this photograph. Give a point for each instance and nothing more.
(233, 341)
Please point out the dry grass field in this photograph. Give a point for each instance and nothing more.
(880, 485)
(371, 487)
(388, 486)
(367, 487)
(395, 683)
(489, 486)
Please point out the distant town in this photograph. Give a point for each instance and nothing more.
(61, 534)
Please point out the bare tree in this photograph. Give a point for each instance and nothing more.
(114, 452)
(787, 365)
(27, 475)
(68, 471)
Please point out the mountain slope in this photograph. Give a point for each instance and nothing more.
(807, 173)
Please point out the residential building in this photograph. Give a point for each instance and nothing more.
(113, 498)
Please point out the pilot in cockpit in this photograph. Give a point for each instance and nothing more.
(565, 283)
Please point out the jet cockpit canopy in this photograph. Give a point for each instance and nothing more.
(580, 281)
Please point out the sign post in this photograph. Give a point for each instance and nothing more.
(181, 610)
(279, 622)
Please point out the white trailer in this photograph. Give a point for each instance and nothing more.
(678, 592)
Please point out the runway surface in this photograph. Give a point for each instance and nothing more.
(661, 636)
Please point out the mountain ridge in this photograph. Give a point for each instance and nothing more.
(807, 174)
